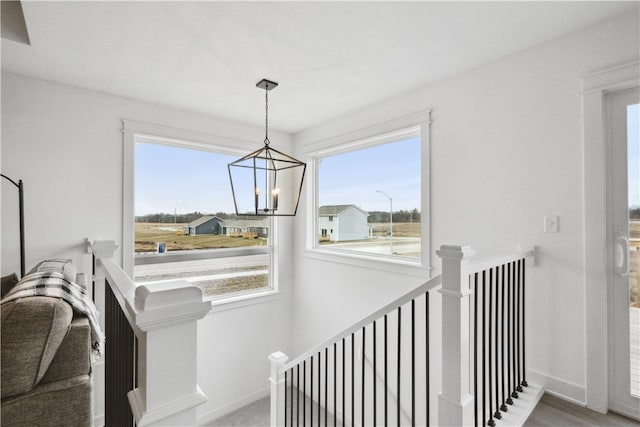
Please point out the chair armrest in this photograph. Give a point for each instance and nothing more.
(74, 355)
(33, 329)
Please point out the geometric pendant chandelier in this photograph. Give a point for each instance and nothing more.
(266, 182)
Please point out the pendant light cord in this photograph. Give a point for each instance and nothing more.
(266, 116)
(266, 140)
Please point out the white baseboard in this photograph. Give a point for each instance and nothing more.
(559, 388)
(230, 407)
(98, 420)
(626, 410)
(97, 392)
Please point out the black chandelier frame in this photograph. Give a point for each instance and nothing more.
(272, 163)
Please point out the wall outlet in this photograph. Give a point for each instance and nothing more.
(551, 224)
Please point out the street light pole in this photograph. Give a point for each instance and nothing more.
(390, 217)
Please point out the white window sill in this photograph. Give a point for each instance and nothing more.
(393, 265)
(219, 304)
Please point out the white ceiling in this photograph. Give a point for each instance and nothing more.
(329, 57)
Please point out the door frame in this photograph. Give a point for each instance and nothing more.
(615, 115)
(597, 221)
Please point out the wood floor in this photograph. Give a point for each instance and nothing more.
(550, 412)
(555, 412)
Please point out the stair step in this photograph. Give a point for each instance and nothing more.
(522, 406)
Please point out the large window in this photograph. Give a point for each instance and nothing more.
(369, 197)
(185, 222)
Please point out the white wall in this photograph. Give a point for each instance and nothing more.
(506, 149)
(66, 144)
(514, 123)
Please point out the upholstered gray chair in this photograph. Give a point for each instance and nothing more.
(46, 364)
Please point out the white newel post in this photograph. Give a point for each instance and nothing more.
(167, 315)
(277, 359)
(455, 403)
(164, 318)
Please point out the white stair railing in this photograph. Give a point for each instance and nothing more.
(163, 318)
(334, 381)
(482, 356)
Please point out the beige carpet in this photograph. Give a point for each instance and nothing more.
(255, 414)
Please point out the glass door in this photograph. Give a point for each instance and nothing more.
(623, 123)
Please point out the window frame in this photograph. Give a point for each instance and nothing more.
(138, 132)
(393, 131)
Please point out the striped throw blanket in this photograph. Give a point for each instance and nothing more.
(53, 284)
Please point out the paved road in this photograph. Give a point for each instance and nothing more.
(200, 265)
(209, 277)
(401, 246)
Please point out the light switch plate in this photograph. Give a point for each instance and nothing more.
(551, 224)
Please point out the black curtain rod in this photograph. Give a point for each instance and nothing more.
(20, 187)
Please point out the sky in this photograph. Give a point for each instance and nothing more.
(633, 147)
(169, 178)
(357, 176)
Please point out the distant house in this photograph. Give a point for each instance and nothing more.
(207, 224)
(339, 223)
(243, 227)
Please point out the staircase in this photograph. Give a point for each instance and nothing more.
(450, 352)
(150, 381)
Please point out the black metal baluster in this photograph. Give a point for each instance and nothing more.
(484, 351)
(304, 393)
(509, 383)
(298, 395)
(93, 275)
(326, 385)
(427, 373)
(497, 414)
(516, 322)
(524, 370)
(490, 399)
(399, 364)
(319, 391)
(311, 394)
(343, 383)
(120, 362)
(374, 376)
(514, 393)
(475, 349)
(335, 384)
(363, 376)
(503, 406)
(291, 397)
(386, 418)
(519, 387)
(413, 363)
(353, 380)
